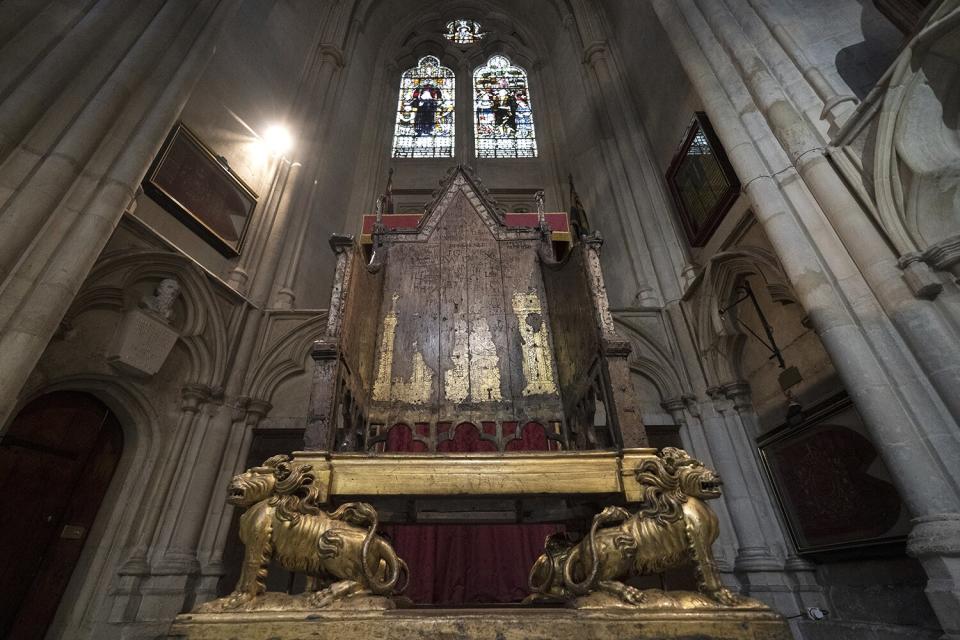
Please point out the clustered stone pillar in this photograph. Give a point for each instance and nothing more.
(84, 131)
(885, 345)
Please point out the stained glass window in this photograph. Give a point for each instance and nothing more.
(425, 111)
(503, 120)
(463, 32)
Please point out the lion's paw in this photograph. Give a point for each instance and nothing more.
(633, 595)
(726, 597)
(234, 601)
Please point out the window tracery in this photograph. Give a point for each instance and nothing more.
(425, 111)
(503, 117)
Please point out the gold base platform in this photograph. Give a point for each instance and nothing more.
(483, 624)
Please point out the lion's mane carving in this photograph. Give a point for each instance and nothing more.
(339, 551)
(674, 526)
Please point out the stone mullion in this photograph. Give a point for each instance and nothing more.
(27, 38)
(754, 553)
(239, 276)
(653, 228)
(24, 104)
(780, 64)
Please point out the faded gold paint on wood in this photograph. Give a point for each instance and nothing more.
(477, 474)
(464, 332)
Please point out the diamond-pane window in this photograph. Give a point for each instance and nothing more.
(503, 116)
(702, 182)
(425, 111)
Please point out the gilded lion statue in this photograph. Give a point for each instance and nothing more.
(674, 526)
(340, 551)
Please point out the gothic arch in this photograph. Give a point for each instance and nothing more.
(649, 360)
(720, 340)
(123, 505)
(113, 284)
(286, 357)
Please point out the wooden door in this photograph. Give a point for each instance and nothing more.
(56, 462)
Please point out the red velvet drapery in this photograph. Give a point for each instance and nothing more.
(457, 564)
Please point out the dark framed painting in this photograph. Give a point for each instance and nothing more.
(195, 185)
(833, 489)
(702, 182)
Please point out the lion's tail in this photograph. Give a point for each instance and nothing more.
(395, 566)
(608, 515)
(555, 544)
(544, 584)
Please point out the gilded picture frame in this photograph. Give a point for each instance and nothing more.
(198, 187)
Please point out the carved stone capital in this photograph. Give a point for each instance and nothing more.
(937, 535)
(739, 394)
(719, 398)
(693, 406)
(615, 346)
(944, 255)
(595, 52)
(919, 276)
(677, 408)
(256, 410)
(331, 53)
(594, 241)
(193, 396)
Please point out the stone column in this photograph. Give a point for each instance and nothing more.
(137, 566)
(587, 36)
(86, 180)
(910, 426)
(757, 563)
(219, 515)
(686, 414)
(311, 115)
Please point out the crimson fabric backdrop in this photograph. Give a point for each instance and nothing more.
(460, 564)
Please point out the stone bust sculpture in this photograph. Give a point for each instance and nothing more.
(163, 298)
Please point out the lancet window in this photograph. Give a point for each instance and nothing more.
(503, 117)
(425, 111)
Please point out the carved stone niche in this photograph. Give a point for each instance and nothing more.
(901, 152)
(145, 336)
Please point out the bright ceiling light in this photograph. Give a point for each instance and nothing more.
(278, 139)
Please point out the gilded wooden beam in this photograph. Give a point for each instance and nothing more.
(475, 474)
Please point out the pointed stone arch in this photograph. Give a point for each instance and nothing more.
(203, 313)
(285, 357)
(720, 340)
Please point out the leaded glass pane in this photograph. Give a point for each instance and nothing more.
(425, 111)
(463, 32)
(503, 121)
